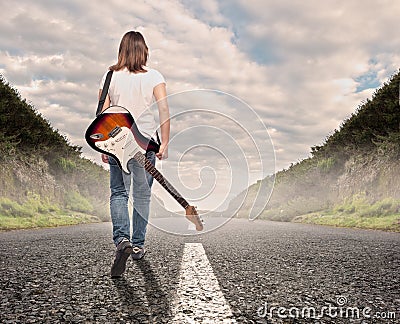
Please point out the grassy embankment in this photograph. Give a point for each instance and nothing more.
(36, 211)
(44, 180)
(352, 179)
(358, 212)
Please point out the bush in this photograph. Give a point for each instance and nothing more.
(75, 201)
(34, 205)
(359, 205)
(66, 165)
(12, 208)
(387, 206)
(326, 165)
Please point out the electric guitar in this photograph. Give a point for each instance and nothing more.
(115, 133)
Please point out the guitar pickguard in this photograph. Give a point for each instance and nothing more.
(123, 146)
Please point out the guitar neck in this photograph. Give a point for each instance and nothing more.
(143, 161)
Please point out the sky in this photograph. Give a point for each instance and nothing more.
(299, 68)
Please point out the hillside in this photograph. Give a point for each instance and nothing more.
(352, 179)
(44, 179)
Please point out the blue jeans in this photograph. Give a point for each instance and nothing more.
(120, 184)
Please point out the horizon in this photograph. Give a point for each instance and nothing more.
(302, 75)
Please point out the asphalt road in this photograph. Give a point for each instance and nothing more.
(267, 272)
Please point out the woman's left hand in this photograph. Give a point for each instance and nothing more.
(163, 152)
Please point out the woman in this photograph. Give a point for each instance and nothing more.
(134, 86)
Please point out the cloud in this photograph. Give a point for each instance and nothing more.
(318, 54)
(302, 66)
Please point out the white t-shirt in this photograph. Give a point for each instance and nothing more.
(134, 92)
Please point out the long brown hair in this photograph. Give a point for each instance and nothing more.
(132, 54)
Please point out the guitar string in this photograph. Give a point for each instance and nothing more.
(161, 179)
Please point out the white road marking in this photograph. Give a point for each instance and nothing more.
(199, 297)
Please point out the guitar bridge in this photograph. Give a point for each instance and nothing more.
(116, 130)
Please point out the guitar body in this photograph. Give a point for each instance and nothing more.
(115, 133)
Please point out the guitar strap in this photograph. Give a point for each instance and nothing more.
(104, 92)
(158, 138)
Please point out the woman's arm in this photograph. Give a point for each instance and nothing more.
(160, 94)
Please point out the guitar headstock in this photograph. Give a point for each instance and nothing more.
(193, 216)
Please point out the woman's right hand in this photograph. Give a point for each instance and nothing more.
(104, 158)
(163, 152)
